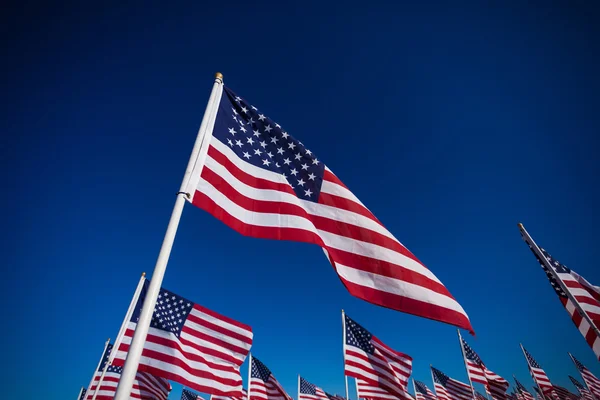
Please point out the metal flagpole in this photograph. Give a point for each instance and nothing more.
(414, 387)
(139, 337)
(249, 375)
(79, 395)
(531, 372)
(582, 377)
(357, 391)
(564, 288)
(462, 349)
(298, 387)
(113, 353)
(99, 364)
(344, 350)
(432, 380)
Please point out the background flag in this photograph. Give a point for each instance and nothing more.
(145, 386)
(422, 392)
(98, 373)
(564, 394)
(263, 385)
(189, 395)
(447, 388)
(522, 392)
(262, 182)
(539, 375)
(495, 385)
(308, 391)
(585, 394)
(590, 379)
(190, 344)
(244, 397)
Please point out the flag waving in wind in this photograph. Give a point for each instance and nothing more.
(263, 385)
(585, 394)
(447, 388)
(422, 392)
(539, 375)
(522, 393)
(262, 182)
(308, 391)
(495, 385)
(590, 379)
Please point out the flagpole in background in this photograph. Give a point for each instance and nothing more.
(139, 337)
(344, 350)
(531, 372)
(432, 380)
(249, 376)
(96, 369)
(462, 349)
(550, 268)
(80, 392)
(357, 392)
(119, 339)
(298, 387)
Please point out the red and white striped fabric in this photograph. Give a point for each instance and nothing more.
(494, 384)
(145, 386)
(263, 385)
(562, 393)
(191, 345)
(590, 379)
(539, 375)
(262, 182)
(244, 397)
(369, 359)
(583, 391)
(447, 388)
(367, 391)
(422, 392)
(522, 393)
(309, 391)
(586, 295)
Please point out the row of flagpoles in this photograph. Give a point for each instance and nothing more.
(248, 172)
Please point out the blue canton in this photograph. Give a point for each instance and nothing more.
(576, 383)
(358, 336)
(421, 388)
(105, 357)
(189, 395)
(520, 386)
(440, 377)
(260, 370)
(114, 369)
(560, 268)
(307, 387)
(532, 362)
(170, 311)
(470, 354)
(83, 392)
(260, 141)
(579, 365)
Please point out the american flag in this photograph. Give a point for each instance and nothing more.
(367, 358)
(98, 373)
(244, 397)
(538, 375)
(522, 392)
(422, 392)
(308, 391)
(447, 388)
(512, 395)
(82, 393)
(189, 395)
(479, 396)
(495, 385)
(191, 345)
(562, 393)
(585, 294)
(335, 396)
(369, 391)
(262, 182)
(590, 379)
(585, 393)
(145, 386)
(263, 384)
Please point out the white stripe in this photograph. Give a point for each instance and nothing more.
(398, 287)
(223, 324)
(337, 190)
(394, 379)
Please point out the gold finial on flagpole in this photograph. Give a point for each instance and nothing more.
(219, 75)
(520, 225)
(143, 274)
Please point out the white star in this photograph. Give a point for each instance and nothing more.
(291, 145)
(308, 152)
(263, 144)
(270, 155)
(238, 143)
(249, 140)
(301, 182)
(256, 133)
(232, 131)
(315, 161)
(243, 129)
(244, 110)
(277, 126)
(268, 128)
(307, 193)
(287, 161)
(294, 172)
(247, 155)
(261, 117)
(298, 156)
(280, 151)
(285, 135)
(257, 152)
(238, 98)
(311, 177)
(304, 167)
(233, 109)
(266, 162)
(274, 139)
(251, 121)
(230, 142)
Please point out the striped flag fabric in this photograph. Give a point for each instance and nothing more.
(539, 375)
(263, 385)
(244, 396)
(583, 391)
(308, 391)
(368, 391)
(422, 392)
(590, 379)
(190, 344)
(262, 182)
(579, 292)
(494, 384)
(564, 394)
(335, 396)
(189, 395)
(145, 386)
(447, 388)
(522, 392)
(367, 358)
(89, 393)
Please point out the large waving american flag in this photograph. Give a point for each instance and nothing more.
(583, 391)
(522, 393)
(308, 391)
(370, 360)
(495, 385)
(573, 291)
(447, 388)
(262, 182)
(191, 345)
(422, 392)
(539, 375)
(263, 385)
(590, 379)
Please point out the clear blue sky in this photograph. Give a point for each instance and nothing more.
(451, 122)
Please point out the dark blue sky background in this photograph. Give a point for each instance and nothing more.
(450, 121)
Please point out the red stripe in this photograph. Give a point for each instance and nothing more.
(214, 340)
(227, 320)
(374, 359)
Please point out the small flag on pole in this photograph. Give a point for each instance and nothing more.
(539, 375)
(191, 345)
(189, 395)
(585, 393)
(367, 358)
(522, 392)
(422, 392)
(308, 391)
(244, 397)
(590, 379)
(447, 388)
(98, 373)
(494, 384)
(263, 385)
(262, 182)
(564, 394)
